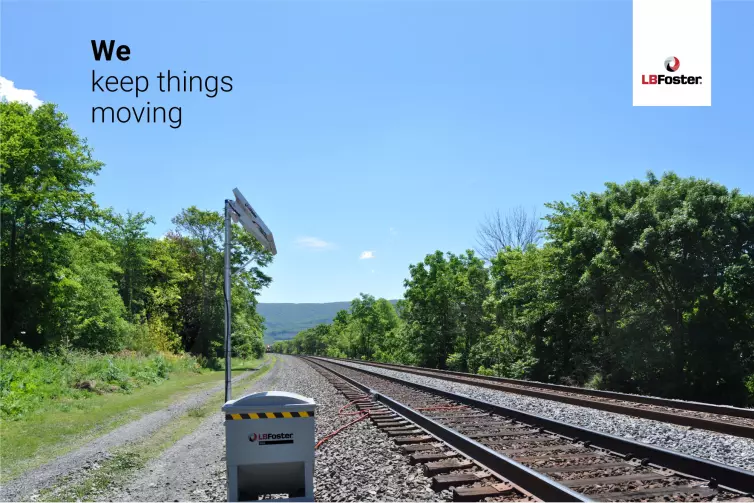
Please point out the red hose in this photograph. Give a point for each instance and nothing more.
(331, 435)
(364, 414)
(341, 413)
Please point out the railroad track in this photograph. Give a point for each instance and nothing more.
(720, 418)
(505, 454)
(475, 482)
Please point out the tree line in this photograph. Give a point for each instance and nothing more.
(77, 275)
(645, 287)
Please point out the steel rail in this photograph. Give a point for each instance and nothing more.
(538, 485)
(667, 417)
(728, 476)
(711, 408)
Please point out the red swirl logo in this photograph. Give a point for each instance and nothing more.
(253, 437)
(672, 64)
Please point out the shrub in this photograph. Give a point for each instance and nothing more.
(335, 352)
(455, 362)
(484, 371)
(30, 381)
(594, 382)
(749, 383)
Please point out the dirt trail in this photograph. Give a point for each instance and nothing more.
(192, 469)
(31, 482)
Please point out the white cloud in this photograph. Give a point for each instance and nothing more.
(9, 92)
(314, 243)
(366, 255)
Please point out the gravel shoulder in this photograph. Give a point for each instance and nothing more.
(186, 471)
(359, 464)
(726, 449)
(67, 466)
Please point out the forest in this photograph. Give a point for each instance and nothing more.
(646, 287)
(77, 276)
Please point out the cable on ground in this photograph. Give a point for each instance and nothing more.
(363, 414)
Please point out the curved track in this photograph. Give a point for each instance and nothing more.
(720, 418)
(551, 460)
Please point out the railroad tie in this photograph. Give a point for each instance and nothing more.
(382, 414)
(413, 440)
(465, 417)
(654, 492)
(438, 467)
(635, 477)
(583, 468)
(486, 425)
(441, 482)
(425, 457)
(551, 457)
(402, 428)
(409, 448)
(544, 448)
(480, 492)
(402, 432)
(540, 438)
(389, 424)
(503, 433)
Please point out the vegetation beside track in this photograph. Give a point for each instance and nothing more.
(50, 412)
(126, 460)
(98, 312)
(645, 287)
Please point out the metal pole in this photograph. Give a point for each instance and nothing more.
(226, 287)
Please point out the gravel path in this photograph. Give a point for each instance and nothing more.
(727, 449)
(360, 463)
(189, 470)
(96, 451)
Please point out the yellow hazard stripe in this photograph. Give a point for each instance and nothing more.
(268, 415)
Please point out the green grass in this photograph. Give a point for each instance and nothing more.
(66, 422)
(33, 381)
(131, 457)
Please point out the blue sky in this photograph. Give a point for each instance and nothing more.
(383, 126)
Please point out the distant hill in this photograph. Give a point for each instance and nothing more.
(285, 320)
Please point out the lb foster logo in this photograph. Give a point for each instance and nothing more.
(272, 438)
(672, 64)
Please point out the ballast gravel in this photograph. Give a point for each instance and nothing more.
(359, 464)
(726, 449)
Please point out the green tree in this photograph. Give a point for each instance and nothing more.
(667, 268)
(129, 237)
(86, 310)
(162, 297)
(471, 291)
(444, 307)
(46, 171)
(199, 239)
